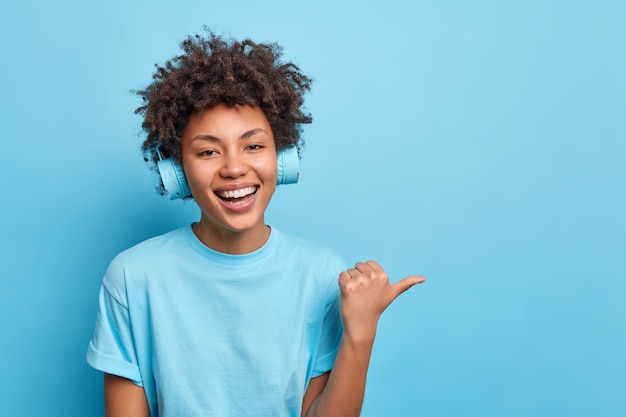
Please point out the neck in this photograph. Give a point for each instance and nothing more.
(231, 241)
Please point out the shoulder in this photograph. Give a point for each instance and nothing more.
(141, 257)
(313, 262)
(290, 245)
(149, 250)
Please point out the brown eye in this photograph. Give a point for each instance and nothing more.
(207, 152)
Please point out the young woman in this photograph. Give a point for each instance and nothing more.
(229, 316)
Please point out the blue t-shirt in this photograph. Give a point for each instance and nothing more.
(212, 334)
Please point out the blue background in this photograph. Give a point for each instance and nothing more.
(481, 144)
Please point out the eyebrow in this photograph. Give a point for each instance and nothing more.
(246, 135)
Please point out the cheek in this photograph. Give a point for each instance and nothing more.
(268, 170)
(198, 175)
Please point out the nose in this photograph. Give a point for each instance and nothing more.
(234, 165)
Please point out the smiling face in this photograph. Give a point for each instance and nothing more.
(229, 159)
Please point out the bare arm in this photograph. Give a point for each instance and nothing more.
(122, 398)
(315, 388)
(365, 294)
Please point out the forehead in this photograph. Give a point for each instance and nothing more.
(224, 122)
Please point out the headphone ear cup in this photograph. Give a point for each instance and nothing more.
(288, 166)
(175, 182)
(173, 178)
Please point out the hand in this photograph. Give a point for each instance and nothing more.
(365, 293)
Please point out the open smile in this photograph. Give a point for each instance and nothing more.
(239, 198)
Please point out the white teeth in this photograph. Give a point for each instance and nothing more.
(237, 193)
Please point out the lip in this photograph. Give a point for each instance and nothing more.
(242, 206)
(233, 187)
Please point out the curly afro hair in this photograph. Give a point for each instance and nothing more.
(213, 70)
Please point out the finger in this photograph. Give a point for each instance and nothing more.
(353, 272)
(363, 267)
(403, 285)
(344, 277)
(375, 266)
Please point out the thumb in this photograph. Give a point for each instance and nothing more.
(404, 284)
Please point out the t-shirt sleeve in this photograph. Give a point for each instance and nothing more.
(332, 329)
(112, 349)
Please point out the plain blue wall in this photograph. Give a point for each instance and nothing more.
(482, 144)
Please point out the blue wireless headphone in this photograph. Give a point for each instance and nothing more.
(175, 183)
